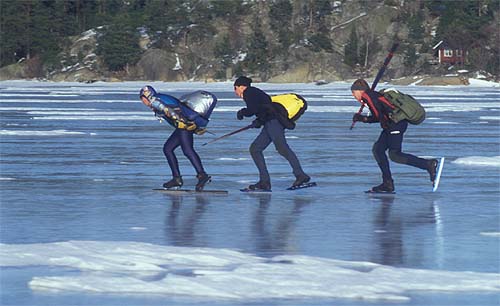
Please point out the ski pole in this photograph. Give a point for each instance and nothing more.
(379, 75)
(229, 134)
(359, 112)
(384, 66)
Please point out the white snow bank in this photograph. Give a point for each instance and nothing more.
(478, 161)
(141, 268)
(483, 83)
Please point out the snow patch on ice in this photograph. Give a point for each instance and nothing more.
(445, 122)
(39, 133)
(214, 274)
(138, 228)
(459, 106)
(95, 118)
(232, 158)
(489, 117)
(478, 161)
(491, 234)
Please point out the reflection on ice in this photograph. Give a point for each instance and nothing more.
(142, 268)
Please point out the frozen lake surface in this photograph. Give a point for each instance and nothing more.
(80, 224)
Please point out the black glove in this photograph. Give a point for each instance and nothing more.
(257, 123)
(239, 114)
(358, 117)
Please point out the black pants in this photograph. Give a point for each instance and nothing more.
(392, 140)
(184, 139)
(273, 132)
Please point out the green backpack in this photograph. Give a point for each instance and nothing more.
(404, 106)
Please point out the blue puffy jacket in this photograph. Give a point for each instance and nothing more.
(173, 110)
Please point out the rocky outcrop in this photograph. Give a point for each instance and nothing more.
(156, 64)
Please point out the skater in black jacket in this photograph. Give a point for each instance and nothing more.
(259, 104)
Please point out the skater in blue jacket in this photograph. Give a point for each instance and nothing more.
(188, 115)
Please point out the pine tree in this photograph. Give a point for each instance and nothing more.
(415, 27)
(351, 49)
(223, 52)
(280, 15)
(15, 18)
(119, 45)
(257, 58)
(410, 56)
(45, 39)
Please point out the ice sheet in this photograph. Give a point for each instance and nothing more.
(77, 170)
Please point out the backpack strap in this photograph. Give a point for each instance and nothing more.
(368, 101)
(384, 100)
(381, 117)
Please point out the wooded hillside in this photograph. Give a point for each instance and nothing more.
(278, 40)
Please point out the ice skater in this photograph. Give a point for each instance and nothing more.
(188, 115)
(391, 137)
(259, 104)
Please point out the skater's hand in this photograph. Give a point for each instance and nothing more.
(359, 117)
(200, 131)
(190, 126)
(239, 114)
(257, 123)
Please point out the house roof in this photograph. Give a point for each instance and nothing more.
(437, 45)
(446, 45)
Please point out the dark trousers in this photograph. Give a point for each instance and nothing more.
(273, 132)
(392, 140)
(184, 139)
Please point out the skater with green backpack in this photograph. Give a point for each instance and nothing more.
(393, 110)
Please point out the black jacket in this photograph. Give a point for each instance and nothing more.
(379, 110)
(258, 103)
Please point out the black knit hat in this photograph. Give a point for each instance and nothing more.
(243, 81)
(360, 84)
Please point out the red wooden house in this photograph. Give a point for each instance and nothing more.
(449, 54)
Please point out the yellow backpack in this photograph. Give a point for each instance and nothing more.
(289, 107)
